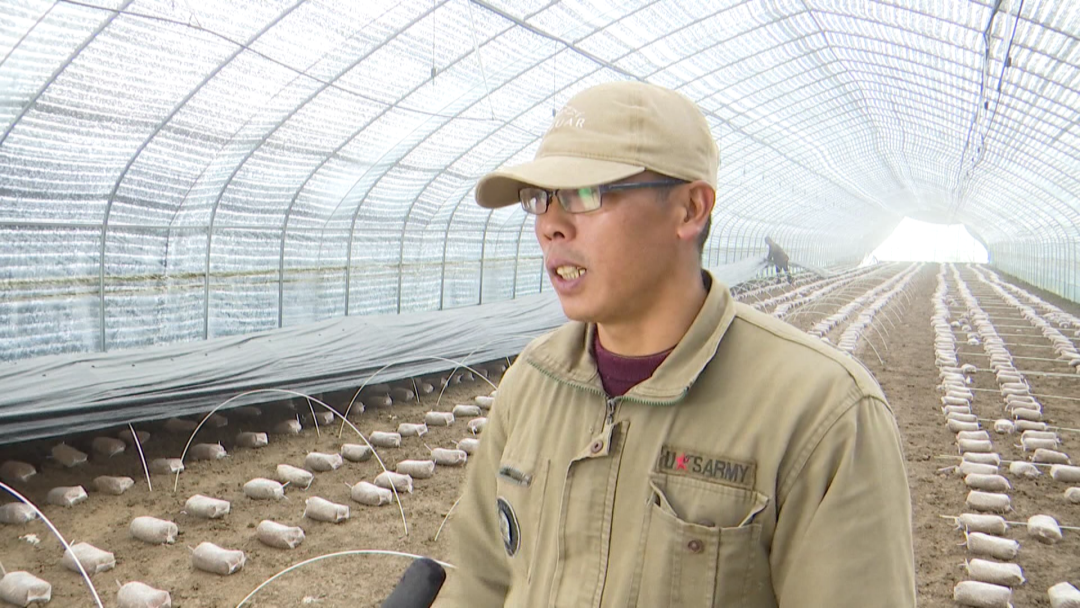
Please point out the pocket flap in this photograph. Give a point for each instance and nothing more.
(705, 503)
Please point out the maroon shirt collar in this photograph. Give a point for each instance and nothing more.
(619, 374)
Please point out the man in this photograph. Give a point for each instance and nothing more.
(777, 258)
(669, 447)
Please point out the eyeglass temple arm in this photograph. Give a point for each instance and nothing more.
(636, 185)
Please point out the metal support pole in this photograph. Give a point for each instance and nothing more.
(483, 253)
(517, 256)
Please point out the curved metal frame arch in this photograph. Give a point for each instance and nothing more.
(161, 125)
(713, 244)
(777, 98)
(483, 257)
(1021, 216)
(858, 94)
(1045, 81)
(64, 66)
(1056, 222)
(521, 227)
(29, 31)
(359, 206)
(798, 224)
(810, 134)
(1019, 45)
(446, 241)
(784, 210)
(517, 258)
(729, 41)
(946, 91)
(815, 221)
(822, 31)
(266, 136)
(33, 102)
(341, 146)
(1038, 160)
(721, 232)
(1056, 228)
(831, 47)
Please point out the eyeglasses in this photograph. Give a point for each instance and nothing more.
(581, 200)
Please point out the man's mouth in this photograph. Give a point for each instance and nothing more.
(569, 272)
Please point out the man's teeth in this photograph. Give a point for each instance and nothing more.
(570, 272)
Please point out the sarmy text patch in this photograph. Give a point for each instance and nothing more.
(718, 469)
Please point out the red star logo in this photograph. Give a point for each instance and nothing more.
(681, 461)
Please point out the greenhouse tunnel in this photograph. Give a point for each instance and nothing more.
(182, 178)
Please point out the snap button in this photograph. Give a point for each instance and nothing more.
(596, 447)
(695, 546)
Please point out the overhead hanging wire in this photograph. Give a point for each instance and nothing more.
(479, 60)
(554, 77)
(985, 112)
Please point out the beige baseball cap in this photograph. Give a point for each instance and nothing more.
(610, 132)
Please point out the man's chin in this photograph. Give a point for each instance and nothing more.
(576, 312)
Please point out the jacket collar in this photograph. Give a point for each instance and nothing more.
(566, 355)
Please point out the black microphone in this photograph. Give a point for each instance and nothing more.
(418, 586)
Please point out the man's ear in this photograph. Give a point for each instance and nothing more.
(697, 207)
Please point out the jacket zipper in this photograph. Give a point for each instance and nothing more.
(610, 403)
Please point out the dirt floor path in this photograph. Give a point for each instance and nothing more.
(909, 377)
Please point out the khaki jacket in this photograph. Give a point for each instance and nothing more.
(757, 467)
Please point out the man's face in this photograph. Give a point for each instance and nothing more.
(608, 265)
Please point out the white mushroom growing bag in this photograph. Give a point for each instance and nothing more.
(153, 530)
(141, 595)
(209, 557)
(93, 560)
(22, 589)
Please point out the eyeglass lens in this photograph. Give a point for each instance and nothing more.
(573, 200)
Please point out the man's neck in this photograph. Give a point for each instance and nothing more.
(660, 328)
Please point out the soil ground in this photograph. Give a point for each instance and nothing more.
(349, 580)
(899, 352)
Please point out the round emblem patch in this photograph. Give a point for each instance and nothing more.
(508, 525)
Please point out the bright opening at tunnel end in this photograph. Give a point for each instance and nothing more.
(917, 241)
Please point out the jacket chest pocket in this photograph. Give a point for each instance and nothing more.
(520, 490)
(700, 547)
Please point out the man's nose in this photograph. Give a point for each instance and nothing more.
(555, 223)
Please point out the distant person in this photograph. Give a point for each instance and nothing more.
(668, 447)
(778, 259)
